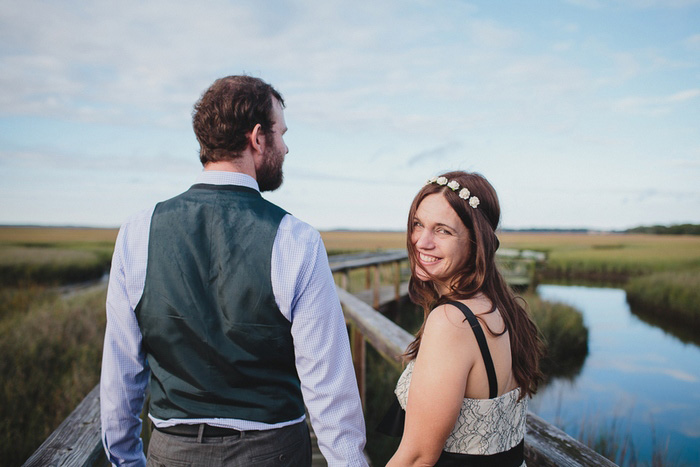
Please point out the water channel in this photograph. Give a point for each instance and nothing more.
(637, 381)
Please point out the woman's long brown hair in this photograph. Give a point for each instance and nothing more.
(479, 274)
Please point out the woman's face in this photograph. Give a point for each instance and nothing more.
(440, 238)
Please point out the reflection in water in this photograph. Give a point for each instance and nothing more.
(636, 377)
(680, 330)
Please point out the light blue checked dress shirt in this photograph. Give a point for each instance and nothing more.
(305, 293)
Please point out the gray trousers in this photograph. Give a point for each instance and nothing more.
(287, 446)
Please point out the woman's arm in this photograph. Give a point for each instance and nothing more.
(437, 387)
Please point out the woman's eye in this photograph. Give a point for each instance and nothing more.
(444, 232)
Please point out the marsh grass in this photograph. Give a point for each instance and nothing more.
(611, 437)
(51, 349)
(673, 296)
(51, 256)
(608, 257)
(51, 265)
(564, 333)
(56, 235)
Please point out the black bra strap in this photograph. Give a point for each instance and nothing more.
(483, 346)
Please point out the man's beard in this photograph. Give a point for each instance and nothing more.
(269, 174)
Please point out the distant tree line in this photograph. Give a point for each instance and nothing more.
(680, 229)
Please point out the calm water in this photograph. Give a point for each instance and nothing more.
(636, 375)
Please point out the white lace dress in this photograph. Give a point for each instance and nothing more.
(484, 426)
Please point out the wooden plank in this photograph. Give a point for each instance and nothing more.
(358, 344)
(387, 294)
(348, 262)
(77, 441)
(388, 338)
(548, 446)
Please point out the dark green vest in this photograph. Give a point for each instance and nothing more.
(216, 342)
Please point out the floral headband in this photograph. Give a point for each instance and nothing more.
(464, 193)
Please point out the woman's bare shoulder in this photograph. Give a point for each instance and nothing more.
(447, 315)
(448, 338)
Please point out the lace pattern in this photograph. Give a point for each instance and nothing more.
(484, 426)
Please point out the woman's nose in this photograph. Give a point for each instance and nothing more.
(425, 239)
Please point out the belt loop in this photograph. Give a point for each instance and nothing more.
(201, 432)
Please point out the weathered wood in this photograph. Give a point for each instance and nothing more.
(548, 446)
(344, 262)
(375, 286)
(358, 343)
(345, 280)
(513, 265)
(77, 440)
(387, 294)
(388, 338)
(397, 280)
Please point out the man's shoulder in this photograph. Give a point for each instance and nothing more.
(139, 217)
(137, 223)
(297, 230)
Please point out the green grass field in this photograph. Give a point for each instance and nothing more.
(616, 256)
(34, 255)
(51, 347)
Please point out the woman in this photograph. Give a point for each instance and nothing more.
(464, 391)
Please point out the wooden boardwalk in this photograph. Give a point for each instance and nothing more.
(77, 441)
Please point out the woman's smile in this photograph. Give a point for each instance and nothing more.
(427, 259)
(440, 238)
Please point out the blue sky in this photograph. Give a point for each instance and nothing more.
(582, 113)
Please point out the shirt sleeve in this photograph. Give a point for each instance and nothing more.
(305, 292)
(125, 370)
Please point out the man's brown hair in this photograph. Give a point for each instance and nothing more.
(228, 111)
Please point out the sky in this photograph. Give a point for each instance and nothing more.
(581, 113)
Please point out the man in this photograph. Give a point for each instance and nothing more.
(224, 306)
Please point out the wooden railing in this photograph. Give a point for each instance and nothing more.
(545, 445)
(76, 442)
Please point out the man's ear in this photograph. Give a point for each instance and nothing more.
(257, 138)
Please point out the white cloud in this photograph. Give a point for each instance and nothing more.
(655, 105)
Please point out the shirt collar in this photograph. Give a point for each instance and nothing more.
(218, 177)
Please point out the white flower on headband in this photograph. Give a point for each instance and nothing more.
(464, 193)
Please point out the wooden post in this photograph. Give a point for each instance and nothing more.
(344, 279)
(357, 341)
(397, 280)
(375, 294)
